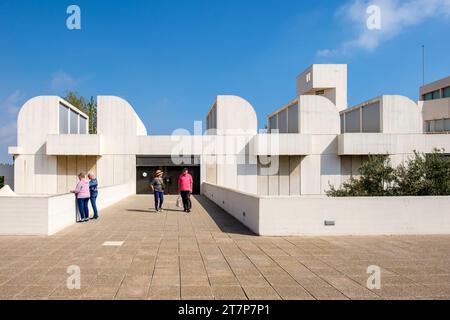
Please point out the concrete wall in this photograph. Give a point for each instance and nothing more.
(243, 206)
(7, 171)
(42, 215)
(331, 78)
(295, 216)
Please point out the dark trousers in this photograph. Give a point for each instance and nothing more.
(159, 199)
(94, 206)
(83, 207)
(186, 196)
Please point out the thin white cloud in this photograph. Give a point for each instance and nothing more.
(63, 81)
(11, 105)
(397, 16)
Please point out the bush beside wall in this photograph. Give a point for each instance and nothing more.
(422, 175)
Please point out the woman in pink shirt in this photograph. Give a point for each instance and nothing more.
(185, 183)
(83, 194)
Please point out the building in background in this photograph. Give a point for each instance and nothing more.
(435, 103)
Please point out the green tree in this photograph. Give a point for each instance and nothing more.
(92, 113)
(90, 108)
(377, 178)
(78, 102)
(424, 175)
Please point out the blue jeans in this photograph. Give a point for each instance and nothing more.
(83, 207)
(94, 206)
(159, 199)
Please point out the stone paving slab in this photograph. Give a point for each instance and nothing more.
(207, 254)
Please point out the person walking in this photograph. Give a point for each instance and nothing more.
(83, 195)
(93, 190)
(185, 187)
(158, 186)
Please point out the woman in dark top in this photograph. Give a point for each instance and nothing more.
(157, 186)
(93, 189)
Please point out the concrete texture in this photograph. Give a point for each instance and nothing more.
(307, 215)
(209, 255)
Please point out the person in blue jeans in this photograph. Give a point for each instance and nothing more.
(82, 193)
(157, 185)
(93, 189)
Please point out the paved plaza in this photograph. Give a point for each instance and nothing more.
(209, 255)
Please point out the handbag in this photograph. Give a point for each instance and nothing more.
(179, 202)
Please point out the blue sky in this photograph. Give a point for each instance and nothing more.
(169, 59)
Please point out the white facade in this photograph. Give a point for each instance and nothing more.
(312, 142)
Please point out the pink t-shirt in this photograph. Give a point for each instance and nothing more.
(185, 182)
(82, 189)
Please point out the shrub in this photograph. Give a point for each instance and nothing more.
(423, 175)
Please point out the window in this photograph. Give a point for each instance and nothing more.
(308, 77)
(63, 119)
(273, 123)
(83, 125)
(447, 125)
(2, 181)
(73, 122)
(320, 92)
(446, 92)
(293, 119)
(428, 96)
(282, 121)
(439, 126)
(436, 126)
(353, 121)
(342, 123)
(371, 118)
(436, 94)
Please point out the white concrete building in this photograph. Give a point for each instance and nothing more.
(312, 142)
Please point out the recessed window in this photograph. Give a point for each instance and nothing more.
(73, 122)
(282, 121)
(353, 121)
(371, 118)
(63, 119)
(83, 125)
(320, 92)
(436, 126)
(293, 119)
(308, 77)
(273, 123)
(446, 92)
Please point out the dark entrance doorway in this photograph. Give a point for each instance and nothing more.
(147, 166)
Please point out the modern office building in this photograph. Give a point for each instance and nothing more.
(312, 142)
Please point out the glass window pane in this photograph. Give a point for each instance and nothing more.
(63, 119)
(342, 123)
(439, 125)
(83, 125)
(428, 96)
(447, 92)
(447, 125)
(353, 121)
(282, 121)
(293, 119)
(273, 123)
(437, 94)
(432, 126)
(371, 118)
(73, 122)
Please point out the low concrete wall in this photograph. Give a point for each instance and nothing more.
(44, 215)
(293, 216)
(244, 207)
